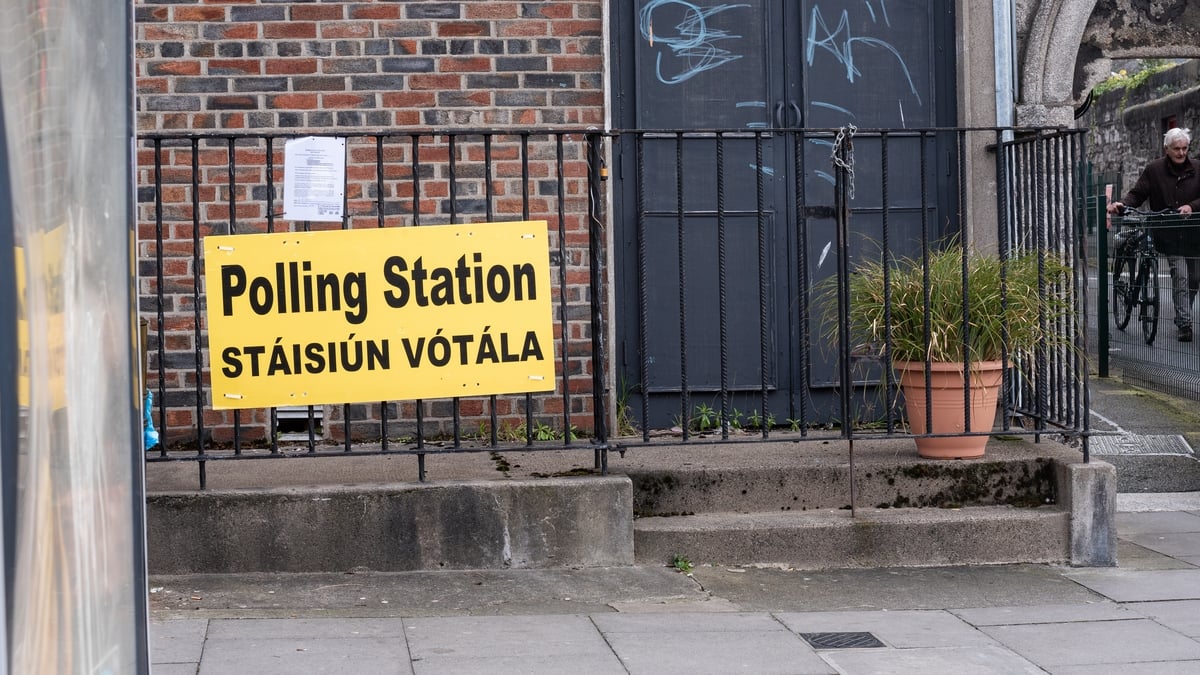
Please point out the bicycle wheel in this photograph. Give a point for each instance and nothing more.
(1148, 278)
(1122, 302)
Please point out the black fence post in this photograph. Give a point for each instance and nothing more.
(597, 173)
(843, 169)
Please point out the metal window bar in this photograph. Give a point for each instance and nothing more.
(488, 197)
(642, 300)
(564, 310)
(890, 385)
(764, 340)
(270, 197)
(722, 284)
(525, 211)
(685, 393)
(232, 181)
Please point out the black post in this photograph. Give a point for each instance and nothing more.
(841, 207)
(596, 176)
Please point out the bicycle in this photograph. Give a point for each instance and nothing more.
(1135, 252)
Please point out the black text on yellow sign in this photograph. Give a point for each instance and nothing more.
(308, 318)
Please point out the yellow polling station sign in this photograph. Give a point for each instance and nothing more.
(308, 318)
(41, 325)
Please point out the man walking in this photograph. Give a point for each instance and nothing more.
(1173, 182)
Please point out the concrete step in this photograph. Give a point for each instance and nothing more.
(833, 538)
(767, 503)
(902, 482)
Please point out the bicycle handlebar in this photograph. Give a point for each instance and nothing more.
(1131, 211)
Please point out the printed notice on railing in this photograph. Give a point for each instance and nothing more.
(314, 178)
(308, 318)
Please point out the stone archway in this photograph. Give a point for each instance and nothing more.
(1054, 29)
(1067, 46)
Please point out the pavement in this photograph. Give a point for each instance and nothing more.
(1142, 616)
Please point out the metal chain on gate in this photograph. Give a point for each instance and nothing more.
(845, 135)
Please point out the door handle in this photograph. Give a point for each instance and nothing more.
(779, 115)
(799, 115)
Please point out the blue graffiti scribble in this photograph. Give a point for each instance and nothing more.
(767, 170)
(835, 108)
(752, 104)
(694, 42)
(841, 44)
(883, 9)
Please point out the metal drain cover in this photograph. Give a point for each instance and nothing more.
(1131, 444)
(841, 640)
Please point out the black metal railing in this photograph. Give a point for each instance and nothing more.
(729, 237)
(192, 186)
(897, 194)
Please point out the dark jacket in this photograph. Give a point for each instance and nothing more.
(1165, 186)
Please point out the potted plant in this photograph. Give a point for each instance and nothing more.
(1012, 307)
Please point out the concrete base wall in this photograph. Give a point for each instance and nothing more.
(1022, 503)
(461, 525)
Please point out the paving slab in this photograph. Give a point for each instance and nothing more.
(1141, 585)
(780, 588)
(904, 629)
(672, 605)
(708, 643)
(1158, 501)
(1131, 556)
(1180, 615)
(180, 641)
(415, 594)
(512, 665)
(278, 629)
(985, 660)
(1156, 668)
(472, 637)
(1095, 642)
(1174, 544)
(1147, 522)
(1034, 614)
(509, 644)
(176, 668)
(684, 622)
(312, 656)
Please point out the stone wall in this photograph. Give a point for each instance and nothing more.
(1127, 125)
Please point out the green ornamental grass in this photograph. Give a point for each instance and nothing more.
(1017, 302)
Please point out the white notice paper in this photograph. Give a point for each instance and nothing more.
(314, 178)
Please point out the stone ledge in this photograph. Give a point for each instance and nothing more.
(412, 526)
(873, 538)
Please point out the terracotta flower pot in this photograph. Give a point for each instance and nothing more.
(946, 384)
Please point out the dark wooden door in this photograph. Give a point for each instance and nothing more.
(712, 235)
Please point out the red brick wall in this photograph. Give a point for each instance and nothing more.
(212, 66)
(309, 66)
